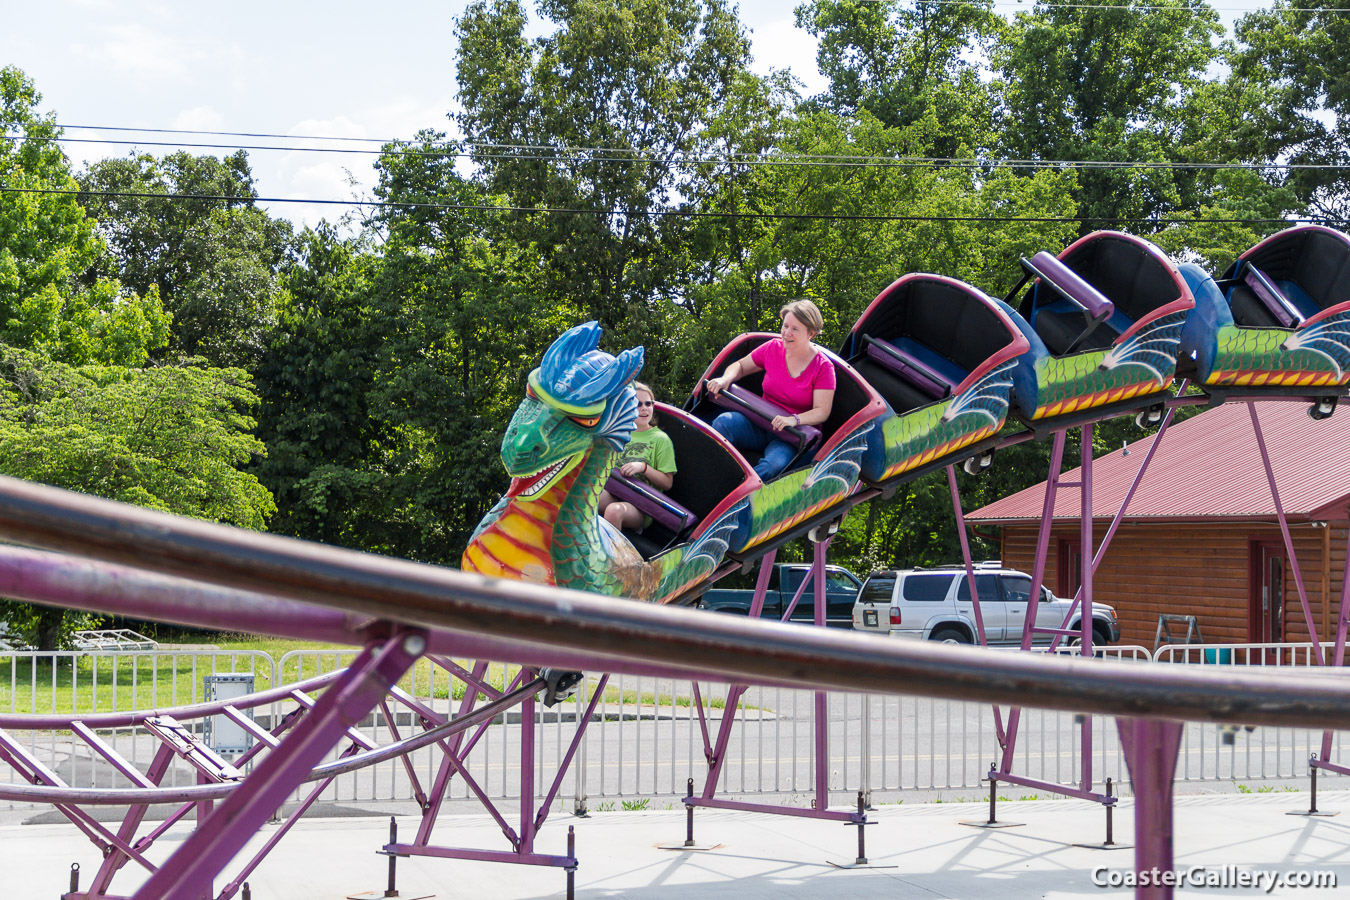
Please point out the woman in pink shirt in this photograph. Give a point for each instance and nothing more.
(797, 377)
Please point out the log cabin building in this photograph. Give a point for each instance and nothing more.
(1201, 535)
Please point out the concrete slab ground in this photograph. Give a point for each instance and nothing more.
(922, 851)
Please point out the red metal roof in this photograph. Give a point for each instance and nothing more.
(1210, 467)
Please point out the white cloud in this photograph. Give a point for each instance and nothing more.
(318, 181)
(404, 117)
(308, 175)
(780, 44)
(339, 126)
(138, 49)
(305, 174)
(325, 180)
(199, 118)
(82, 155)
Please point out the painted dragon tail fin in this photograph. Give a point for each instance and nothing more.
(692, 564)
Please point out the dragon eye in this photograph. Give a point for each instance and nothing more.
(585, 421)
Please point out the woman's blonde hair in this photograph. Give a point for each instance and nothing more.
(805, 312)
(642, 386)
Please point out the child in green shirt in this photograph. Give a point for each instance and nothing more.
(649, 456)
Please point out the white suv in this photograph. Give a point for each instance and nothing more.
(934, 604)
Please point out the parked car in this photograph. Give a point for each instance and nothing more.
(934, 604)
(841, 590)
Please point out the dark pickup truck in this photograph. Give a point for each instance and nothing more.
(841, 590)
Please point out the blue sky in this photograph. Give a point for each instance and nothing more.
(331, 69)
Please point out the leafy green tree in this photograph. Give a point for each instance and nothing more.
(1242, 207)
(1108, 85)
(464, 321)
(169, 438)
(904, 63)
(51, 300)
(1291, 61)
(391, 378)
(324, 442)
(596, 120)
(215, 262)
(840, 219)
(724, 289)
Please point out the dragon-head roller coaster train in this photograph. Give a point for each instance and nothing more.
(930, 374)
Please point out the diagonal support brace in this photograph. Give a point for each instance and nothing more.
(189, 872)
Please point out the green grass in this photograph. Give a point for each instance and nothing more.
(639, 805)
(71, 685)
(80, 683)
(647, 698)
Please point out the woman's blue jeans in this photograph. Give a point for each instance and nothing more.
(745, 435)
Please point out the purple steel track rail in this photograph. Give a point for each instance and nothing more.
(218, 777)
(44, 791)
(614, 635)
(375, 601)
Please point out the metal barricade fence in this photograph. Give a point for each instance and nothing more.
(70, 683)
(1209, 753)
(646, 739)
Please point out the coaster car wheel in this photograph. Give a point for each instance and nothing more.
(1150, 417)
(1322, 409)
(977, 464)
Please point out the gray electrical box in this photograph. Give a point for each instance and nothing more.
(223, 734)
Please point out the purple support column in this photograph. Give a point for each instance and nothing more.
(961, 532)
(1342, 621)
(527, 776)
(1043, 535)
(1151, 748)
(762, 583)
(719, 752)
(797, 595)
(1288, 540)
(822, 701)
(1085, 618)
(965, 555)
(583, 723)
(203, 816)
(1138, 479)
(127, 833)
(446, 771)
(1009, 742)
(189, 871)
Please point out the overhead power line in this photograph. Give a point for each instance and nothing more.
(681, 213)
(1030, 6)
(600, 155)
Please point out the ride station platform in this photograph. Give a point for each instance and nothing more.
(921, 850)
